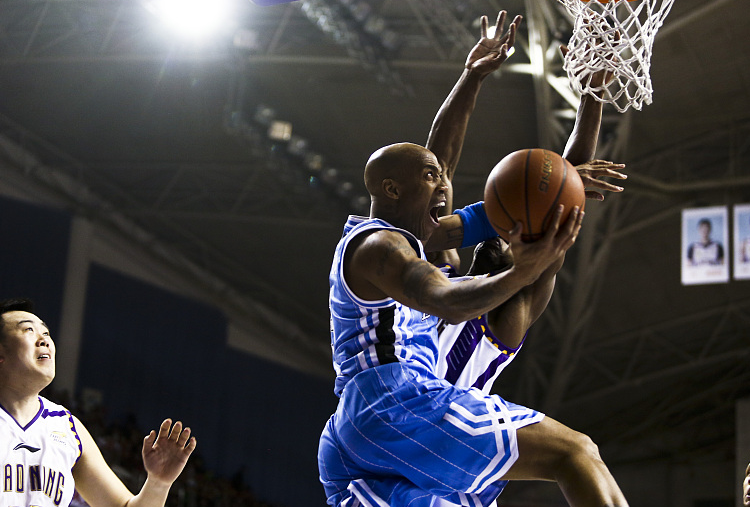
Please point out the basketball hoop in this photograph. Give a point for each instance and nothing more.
(618, 37)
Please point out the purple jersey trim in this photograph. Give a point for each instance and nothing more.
(78, 438)
(464, 347)
(40, 413)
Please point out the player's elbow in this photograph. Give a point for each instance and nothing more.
(454, 319)
(456, 315)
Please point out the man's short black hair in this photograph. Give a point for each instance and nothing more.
(704, 221)
(14, 305)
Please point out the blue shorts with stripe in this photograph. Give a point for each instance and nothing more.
(401, 436)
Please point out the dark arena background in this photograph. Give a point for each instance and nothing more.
(171, 195)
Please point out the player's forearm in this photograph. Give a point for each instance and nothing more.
(510, 320)
(448, 130)
(467, 300)
(581, 146)
(153, 494)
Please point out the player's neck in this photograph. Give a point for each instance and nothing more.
(23, 407)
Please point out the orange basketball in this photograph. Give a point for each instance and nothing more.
(527, 186)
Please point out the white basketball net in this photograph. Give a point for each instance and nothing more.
(594, 46)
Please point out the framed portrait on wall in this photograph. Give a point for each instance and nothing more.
(705, 239)
(742, 242)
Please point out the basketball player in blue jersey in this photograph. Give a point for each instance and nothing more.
(45, 451)
(401, 435)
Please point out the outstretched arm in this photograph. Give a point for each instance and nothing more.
(446, 137)
(384, 264)
(164, 457)
(581, 146)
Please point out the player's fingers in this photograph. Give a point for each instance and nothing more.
(604, 164)
(564, 50)
(499, 23)
(148, 442)
(483, 27)
(577, 227)
(515, 233)
(191, 446)
(517, 22)
(184, 436)
(570, 230)
(554, 226)
(164, 428)
(604, 185)
(616, 174)
(174, 435)
(573, 221)
(510, 39)
(594, 195)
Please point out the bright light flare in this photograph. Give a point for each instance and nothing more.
(194, 19)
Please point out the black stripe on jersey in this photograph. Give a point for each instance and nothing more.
(385, 348)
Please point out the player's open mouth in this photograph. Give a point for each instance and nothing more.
(44, 356)
(435, 210)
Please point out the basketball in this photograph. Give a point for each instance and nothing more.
(527, 186)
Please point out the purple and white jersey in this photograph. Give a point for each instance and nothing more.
(469, 355)
(37, 459)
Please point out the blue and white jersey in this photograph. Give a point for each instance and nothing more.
(365, 334)
(37, 459)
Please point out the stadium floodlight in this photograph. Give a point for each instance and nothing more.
(193, 19)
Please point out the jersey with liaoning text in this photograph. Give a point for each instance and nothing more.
(365, 334)
(37, 459)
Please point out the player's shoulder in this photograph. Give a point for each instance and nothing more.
(382, 244)
(53, 409)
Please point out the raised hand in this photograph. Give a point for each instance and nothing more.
(165, 454)
(591, 171)
(490, 52)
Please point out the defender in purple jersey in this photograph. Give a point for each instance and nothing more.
(48, 450)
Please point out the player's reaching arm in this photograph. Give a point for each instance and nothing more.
(581, 146)
(448, 130)
(446, 137)
(164, 457)
(384, 264)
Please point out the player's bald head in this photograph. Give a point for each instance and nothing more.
(392, 162)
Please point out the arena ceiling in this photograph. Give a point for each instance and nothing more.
(166, 142)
